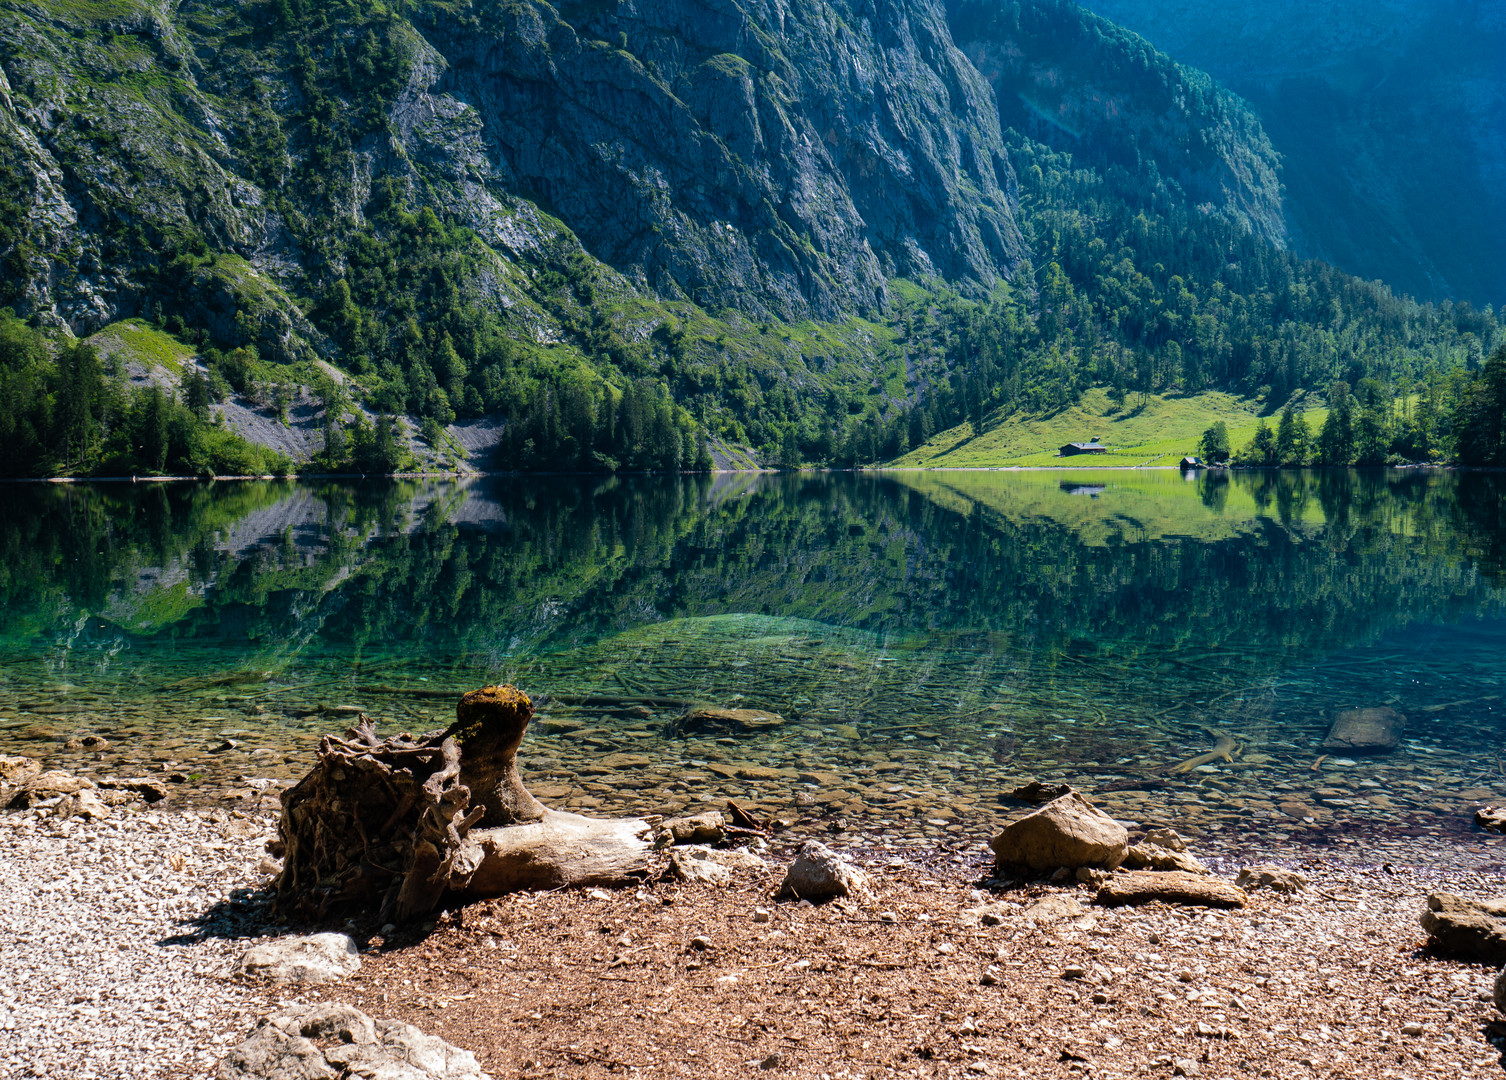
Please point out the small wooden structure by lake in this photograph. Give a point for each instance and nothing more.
(1072, 449)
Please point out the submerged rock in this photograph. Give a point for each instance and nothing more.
(1491, 818)
(1038, 792)
(1365, 731)
(283, 1048)
(819, 873)
(1473, 930)
(1066, 832)
(316, 958)
(705, 718)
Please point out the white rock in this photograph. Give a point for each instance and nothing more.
(315, 958)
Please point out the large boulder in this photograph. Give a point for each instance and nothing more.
(1365, 731)
(819, 873)
(1170, 887)
(316, 958)
(1069, 831)
(1473, 930)
(284, 1047)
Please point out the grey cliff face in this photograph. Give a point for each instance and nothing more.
(779, 158)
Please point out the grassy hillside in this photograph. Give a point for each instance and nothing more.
(1158, 432)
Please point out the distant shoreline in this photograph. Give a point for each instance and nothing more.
(455, 475)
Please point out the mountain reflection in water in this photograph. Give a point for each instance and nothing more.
(929, 638)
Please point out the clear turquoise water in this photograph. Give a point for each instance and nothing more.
(928, 638)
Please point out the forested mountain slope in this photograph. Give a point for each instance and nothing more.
(620, 231)
(1387, 117)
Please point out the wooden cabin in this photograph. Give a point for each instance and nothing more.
(1074, 448)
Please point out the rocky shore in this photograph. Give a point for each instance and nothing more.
(121, 940)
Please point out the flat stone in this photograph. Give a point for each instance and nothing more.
(1172, 887)
(1472, 930)
(1276, 878)
(1365, 731)
(315, 958)
(1067, 832)
(685, 867)
(1054, 908)
(15, 768)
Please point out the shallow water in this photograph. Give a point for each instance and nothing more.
(929, 639)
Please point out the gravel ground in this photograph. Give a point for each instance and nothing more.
(115, 940)
(1332, 983)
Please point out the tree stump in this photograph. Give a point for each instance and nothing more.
(386, 825)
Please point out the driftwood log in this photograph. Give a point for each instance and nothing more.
(393, 825)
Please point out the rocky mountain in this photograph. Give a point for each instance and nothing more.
(1076, 82)
(1387, 117)
(606, 235)
(782, 160)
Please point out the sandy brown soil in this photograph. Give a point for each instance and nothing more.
(596, 984)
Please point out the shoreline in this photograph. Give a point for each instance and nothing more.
(869, 469)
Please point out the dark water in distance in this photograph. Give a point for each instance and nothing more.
(927, 637)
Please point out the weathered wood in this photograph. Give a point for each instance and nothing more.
(560, 851)
(385, 825)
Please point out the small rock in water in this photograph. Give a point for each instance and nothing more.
(316, 958)
(1148, 856)
(1038, 792)
(819, 873)
(1165, 838)
(48, 785)
(1491, 818)
(707, 828)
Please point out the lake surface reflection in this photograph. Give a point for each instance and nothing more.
(928, 639)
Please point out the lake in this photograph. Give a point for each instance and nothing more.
(928, 640)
